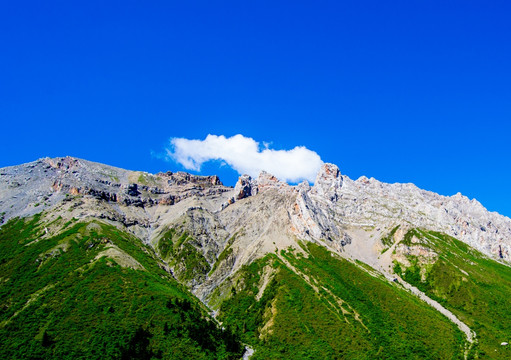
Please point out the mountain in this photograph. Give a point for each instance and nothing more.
(101, 262)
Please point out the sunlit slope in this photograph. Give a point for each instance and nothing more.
(88, 290)
(474, 287)
(316, 305)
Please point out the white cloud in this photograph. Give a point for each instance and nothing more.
(246, 156)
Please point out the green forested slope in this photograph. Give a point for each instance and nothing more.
(320, 306)
(474, 287)
(60, 299)
(92, 291)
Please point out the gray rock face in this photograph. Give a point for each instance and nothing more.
(335, 201)
(245, 187)
(32, 187)
(256, 217)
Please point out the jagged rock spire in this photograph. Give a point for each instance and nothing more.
(245, 187)
(328, 181)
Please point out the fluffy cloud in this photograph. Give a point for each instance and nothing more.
(247, 156)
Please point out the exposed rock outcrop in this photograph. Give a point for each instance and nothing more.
(256, 217)
(245, 187)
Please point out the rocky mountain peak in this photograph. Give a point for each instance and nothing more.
(202, 233)
(459, 197)
(328, 181)
(183, 178)
(330, 209)
(245, 187)
(328, 170)
(267, 181)
(65, 163)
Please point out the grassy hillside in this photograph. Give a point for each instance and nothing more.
(87, 290)
(95, 292)
(474, 287)
(320, 306)
(180, 253)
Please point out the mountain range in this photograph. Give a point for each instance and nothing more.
(102, 262)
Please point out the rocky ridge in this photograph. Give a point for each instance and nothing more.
(257, 216)
(336, 208)
(208, 236)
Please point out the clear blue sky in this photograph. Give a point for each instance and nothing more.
(403, 91)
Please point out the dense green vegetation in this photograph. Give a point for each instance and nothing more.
(92, 291)
(178, 250)
(474, 287)
(324, 307)
(60, 299)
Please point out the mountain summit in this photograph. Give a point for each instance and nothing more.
(341, 268)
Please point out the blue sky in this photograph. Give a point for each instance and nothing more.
(401, 91)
